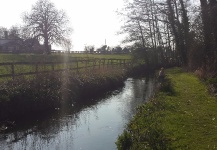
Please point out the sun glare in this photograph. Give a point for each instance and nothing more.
(92, 21)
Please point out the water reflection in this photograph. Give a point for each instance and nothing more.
(94, 126)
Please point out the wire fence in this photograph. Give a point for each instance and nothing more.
(15, 69)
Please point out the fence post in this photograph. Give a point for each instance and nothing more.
(66, 65)
(70, 65)
(36, 68)
(99, 63)
(119, 62)
(108, 63)
(86, 64)
(12, 70)
(52, 66)
(103, 63)
(94, 60)
(77, 66)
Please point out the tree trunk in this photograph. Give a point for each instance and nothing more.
(171, 19)
(206, 28)
(213, 18)
(46, 45)
(180, 30)
(143, 42)
(185, 23)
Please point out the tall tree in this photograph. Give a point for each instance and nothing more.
(89, 49)
(213, 10)
(146, 24)
(209, 12)
(178, 20)
(2, 32)
(46, 23)
(14, 32)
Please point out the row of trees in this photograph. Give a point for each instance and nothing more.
(172, 29)
(12, 33)
(106, 49)
(209, 21)
(45, 23)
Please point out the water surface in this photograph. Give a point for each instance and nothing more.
(93, 126)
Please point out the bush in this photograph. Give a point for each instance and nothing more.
(166, 87)
(124, 141)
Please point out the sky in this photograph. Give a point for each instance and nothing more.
(92, 21)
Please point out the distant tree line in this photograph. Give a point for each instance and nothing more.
(180, 31)
(107, 49)
(11, 33)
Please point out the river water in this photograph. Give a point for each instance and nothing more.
(93, 126)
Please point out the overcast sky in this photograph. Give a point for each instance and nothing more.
(93, 21)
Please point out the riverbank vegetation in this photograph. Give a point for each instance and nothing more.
(176, 32)
(183, 33)
(57, 63)
(24, 97)
(57, 57)
(29, 96)
(182, 115)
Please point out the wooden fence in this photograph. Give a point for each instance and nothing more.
(14, 69)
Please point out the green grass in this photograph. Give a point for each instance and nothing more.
(55, 57)
(193, 122)
(183, 117)
(51, 58)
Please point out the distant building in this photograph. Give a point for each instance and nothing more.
(18, 45)
(11, 45)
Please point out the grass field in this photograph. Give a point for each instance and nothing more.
(182, 116)
(56, 57)
(41, 66)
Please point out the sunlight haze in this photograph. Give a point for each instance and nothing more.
(92, 21)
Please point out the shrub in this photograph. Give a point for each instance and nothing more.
(32, 96)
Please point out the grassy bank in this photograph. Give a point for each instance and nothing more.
(56, 57)
(28, 97)
(182, 115)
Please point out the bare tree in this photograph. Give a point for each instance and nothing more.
(146, 22)
(2, 32)
(178, 19)
(208, 11)
(67, 45)
(14, 32)
(89, 48)
(47, 24)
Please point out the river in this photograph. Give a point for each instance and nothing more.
(93, 126)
